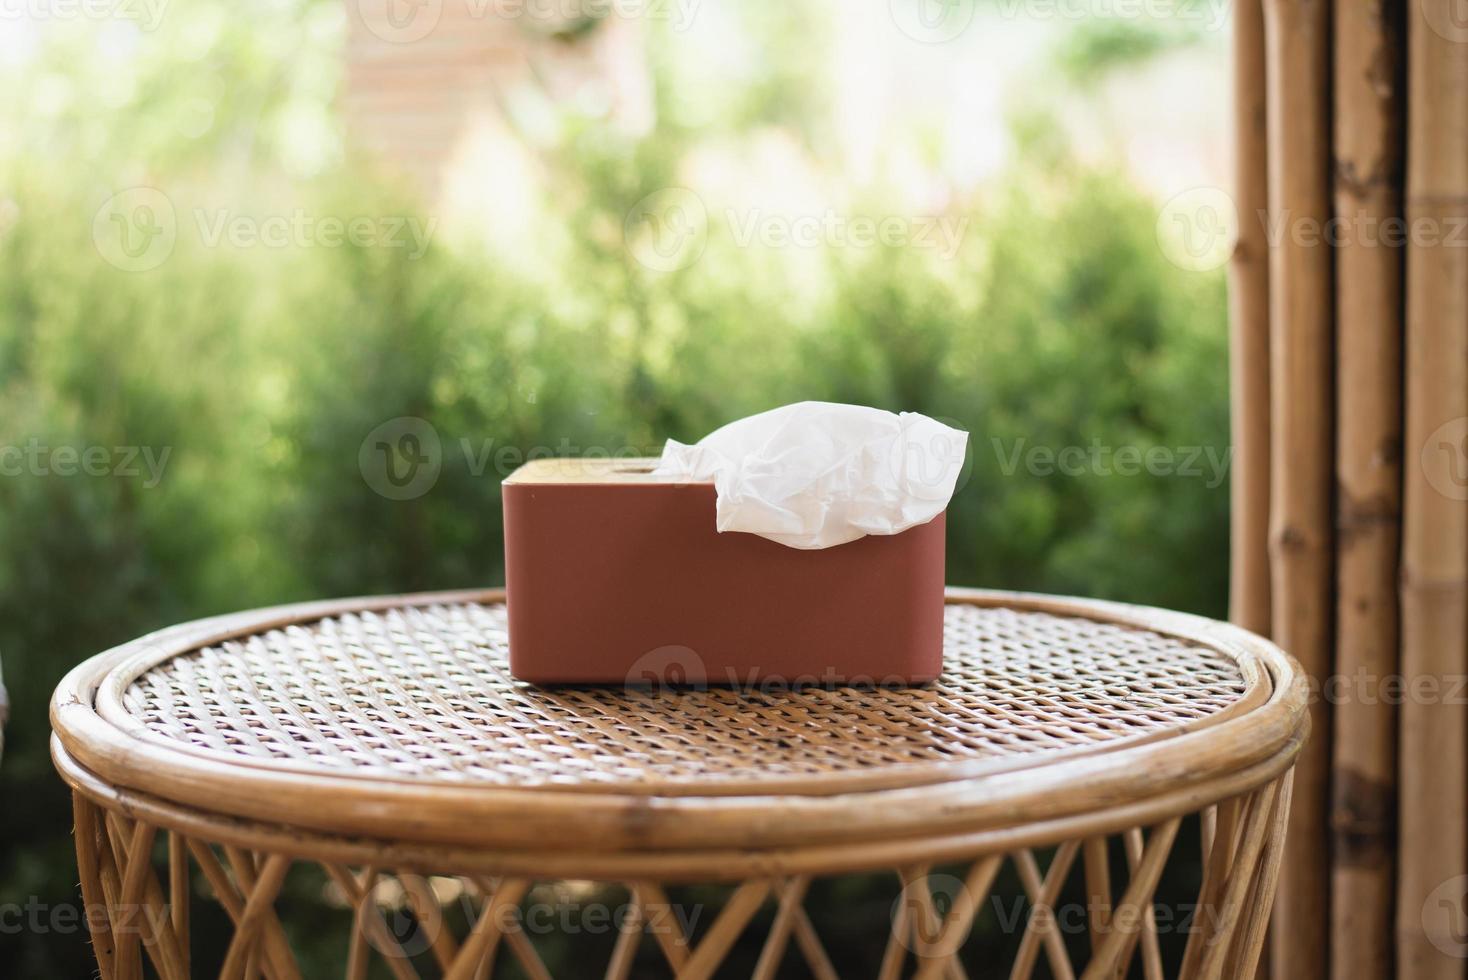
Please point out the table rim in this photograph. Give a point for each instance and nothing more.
(761, 813)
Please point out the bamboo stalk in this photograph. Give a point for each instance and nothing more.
(1302, 409)
(1248, 290)
(1368, 192)
(1434, 583)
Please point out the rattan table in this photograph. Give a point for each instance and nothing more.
(384, 741)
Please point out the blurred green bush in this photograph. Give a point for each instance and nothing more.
(1057, 332)
(1064, 327)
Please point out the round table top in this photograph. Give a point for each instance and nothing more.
(397, 719)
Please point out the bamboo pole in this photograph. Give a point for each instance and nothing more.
(1297, 35)
(1368, 153)
(1248, 289)
(1434, 574)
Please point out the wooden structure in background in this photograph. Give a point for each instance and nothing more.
(448, 92)
(1434, 599)
(1368, 294)
(1248, 294)
(1359, 461)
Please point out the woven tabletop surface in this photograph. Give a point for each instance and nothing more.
(393, 722)
(423, 693)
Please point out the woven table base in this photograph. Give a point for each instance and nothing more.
(145, 909)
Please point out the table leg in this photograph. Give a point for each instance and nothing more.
(130, 914)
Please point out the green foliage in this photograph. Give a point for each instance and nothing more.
(260, 372)
(1094, 48)
(1057, 324)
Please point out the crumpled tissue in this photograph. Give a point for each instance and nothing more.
(818, 474)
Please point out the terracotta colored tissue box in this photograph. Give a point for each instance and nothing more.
(614, 576)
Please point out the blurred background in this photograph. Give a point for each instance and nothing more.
(241, 247)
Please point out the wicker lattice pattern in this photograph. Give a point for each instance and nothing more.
(425, 693)
(423, 757)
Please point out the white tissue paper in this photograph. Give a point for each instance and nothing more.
(818, 474)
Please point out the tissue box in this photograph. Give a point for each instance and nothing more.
(616, 576)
